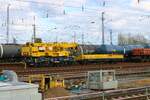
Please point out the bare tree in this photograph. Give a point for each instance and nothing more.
(132, 40)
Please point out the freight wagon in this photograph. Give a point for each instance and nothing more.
(141, 54)
(99, 58)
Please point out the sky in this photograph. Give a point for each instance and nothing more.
(73, 20)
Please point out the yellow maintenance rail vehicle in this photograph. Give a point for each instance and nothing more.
(49, 53)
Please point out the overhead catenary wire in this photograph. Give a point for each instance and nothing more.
(66, 6)
(57, 5)
(69, 6)
(98, 10)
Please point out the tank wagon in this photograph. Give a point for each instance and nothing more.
(88, 49)
(126, 50)
(115, 49)
(10, 52)
(109, 49)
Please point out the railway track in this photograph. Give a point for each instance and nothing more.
(124, 71)
(21, 68)
(121, 76)
(79, 70)
(97, 64)
(142, 93)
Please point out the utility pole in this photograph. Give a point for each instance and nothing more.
(111, 37)
(7, 23)
(82, 39)
(74, 37)
(14, 40)
(34, 30)
(103, 37)
(83, 42)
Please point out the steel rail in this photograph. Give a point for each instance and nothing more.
(122, 94)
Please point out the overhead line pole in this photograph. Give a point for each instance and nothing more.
(103, 37)
(7, 23)
(111, 37)
(34, 30)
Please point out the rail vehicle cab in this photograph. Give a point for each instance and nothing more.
(34, 53)
(33, 50)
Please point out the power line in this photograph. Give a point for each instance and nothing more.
(35, 2)
(56, 5)
(85, 8)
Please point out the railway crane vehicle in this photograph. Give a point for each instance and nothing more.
(49, 53)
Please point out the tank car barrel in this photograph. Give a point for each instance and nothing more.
(1, 51)
(10, 50)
